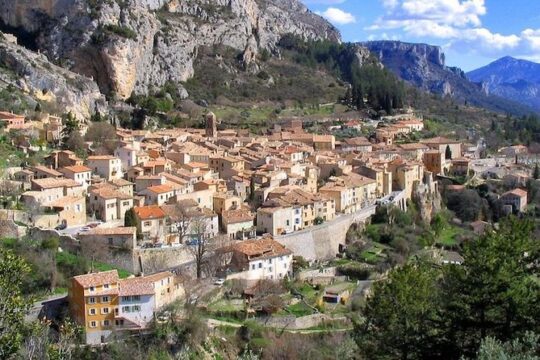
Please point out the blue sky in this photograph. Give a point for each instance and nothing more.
(471, 32)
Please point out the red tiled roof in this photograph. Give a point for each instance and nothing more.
(77, 168)
(149, 212)
(96, 279)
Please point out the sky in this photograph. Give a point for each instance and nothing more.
(472, 33)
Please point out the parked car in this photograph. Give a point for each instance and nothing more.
(62, 226)
(219, 282)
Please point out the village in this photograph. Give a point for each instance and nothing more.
(242, 224)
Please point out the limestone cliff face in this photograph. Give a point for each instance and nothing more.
(134, 45)
(427, 198)
(35, 76)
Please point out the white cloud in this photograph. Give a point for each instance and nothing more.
(459, 22)
(324, 2)
(338, 16)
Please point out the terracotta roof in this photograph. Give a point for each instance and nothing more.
(135, 286)
(516, 192)
(110, 231)
(96, 279)
(439, 140)
(149, 212)
(77, 168)
(261, 249)
(121, 182)
(101, 157)
(46, 170)
(66, 200)
(51, 183)
(413, 146)
(237, 216)
(108, 192)
(160, 189)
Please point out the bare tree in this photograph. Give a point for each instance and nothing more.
(201, 244)
(94, 251)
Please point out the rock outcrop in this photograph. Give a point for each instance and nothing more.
(35, 76)
(136, 45)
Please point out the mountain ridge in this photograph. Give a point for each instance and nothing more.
(511, 78)
(424, 66)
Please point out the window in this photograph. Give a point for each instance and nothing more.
(135, 308)
(105, 286)
(91, 300)
(147, 223)
(119, 322)
(105, 299)
(287, 222)
(126, 309)
(252, 266)
(106, 322)
(92, 311)
(260, 265)
(136, 298)
(92, 289)
(270, 269)
(105, 310)
(126, 298)
(93, 324)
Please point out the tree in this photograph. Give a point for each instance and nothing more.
(448, 153)
(467, 204)
(13, 305)
(536, 173)
(399, 315)
(103, 137)
(51, 246)
(130, 219)
(525, 348)
(71, 125)
(201, 244)
(494, 293)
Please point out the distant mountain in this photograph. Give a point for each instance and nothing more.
(423, 66)
(510, 78)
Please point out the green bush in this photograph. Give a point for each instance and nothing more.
(355, 271)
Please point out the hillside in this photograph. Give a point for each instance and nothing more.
(136, 45)
(514, 79)
(424, 67)
(28, 78)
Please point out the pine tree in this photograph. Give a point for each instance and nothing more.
(448, 153)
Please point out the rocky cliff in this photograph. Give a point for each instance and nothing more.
(35, 77)
(136, 45)
(511, 78)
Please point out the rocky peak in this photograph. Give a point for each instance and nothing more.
(422, 53)
(135, 45)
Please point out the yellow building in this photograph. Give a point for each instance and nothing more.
(93, 300)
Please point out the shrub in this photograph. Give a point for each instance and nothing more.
(356, 271)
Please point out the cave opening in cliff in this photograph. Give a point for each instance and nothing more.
(24, 38)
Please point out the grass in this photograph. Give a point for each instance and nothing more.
(68, 259)
(448, 236)
(373, 254)
(225, 306)
(299, 309)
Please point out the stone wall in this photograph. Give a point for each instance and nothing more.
(324, 241)
(135, 261)
(292, 322)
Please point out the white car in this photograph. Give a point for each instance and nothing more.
(219, 282)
